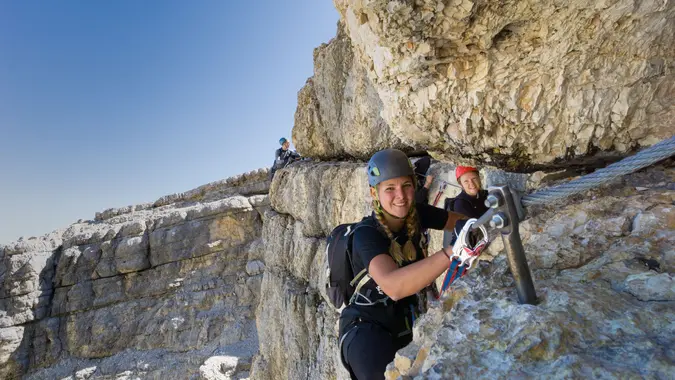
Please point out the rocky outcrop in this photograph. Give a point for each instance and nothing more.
(338, 113)
(297, 329)
(226, 281)
(160, 292)
(515, 83)
(601, 311)
(234, 288)
(26, 272)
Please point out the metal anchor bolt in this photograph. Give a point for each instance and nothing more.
(498, 221)
(493, 201)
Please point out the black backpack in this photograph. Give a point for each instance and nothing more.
(341, 283)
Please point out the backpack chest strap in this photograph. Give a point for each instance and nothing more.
(361, 299)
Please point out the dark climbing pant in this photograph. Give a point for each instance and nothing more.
(368, 348)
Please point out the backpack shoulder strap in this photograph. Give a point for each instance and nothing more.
(362, 278)
(365, 222)
(355, 227)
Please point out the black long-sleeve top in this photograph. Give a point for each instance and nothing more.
(473, 207)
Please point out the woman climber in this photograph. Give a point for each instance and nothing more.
(390, 249)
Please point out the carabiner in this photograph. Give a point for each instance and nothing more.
(463, 250)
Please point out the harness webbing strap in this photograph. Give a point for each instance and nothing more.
(363, 281)
(358, 277)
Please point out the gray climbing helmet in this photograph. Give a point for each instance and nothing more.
(387, 164)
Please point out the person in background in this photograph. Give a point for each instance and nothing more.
(283, 156)
(471, 201)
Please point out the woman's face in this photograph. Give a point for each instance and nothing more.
(396, 195)
(470, 183)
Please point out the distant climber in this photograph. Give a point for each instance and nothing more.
(283, 156)
(392, 267)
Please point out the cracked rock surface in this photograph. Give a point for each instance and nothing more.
(149, 291)
(602, 311)
(516, 83)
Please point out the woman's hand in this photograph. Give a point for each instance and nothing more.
(428, 181)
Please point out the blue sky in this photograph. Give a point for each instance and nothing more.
(107, 104)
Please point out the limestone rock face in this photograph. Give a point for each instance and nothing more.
(224, 368)
(587, 256)
(321, 196)
(297, 327)
(297, 330)
(234, 288)
(154, 292)
(518, 82)
(338, 112)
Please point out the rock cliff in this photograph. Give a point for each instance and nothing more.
(156, 291)
(601, 307)
(516, 83)
(222, 286)
(226, 281)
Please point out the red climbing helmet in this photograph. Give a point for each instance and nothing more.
(461, 170)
